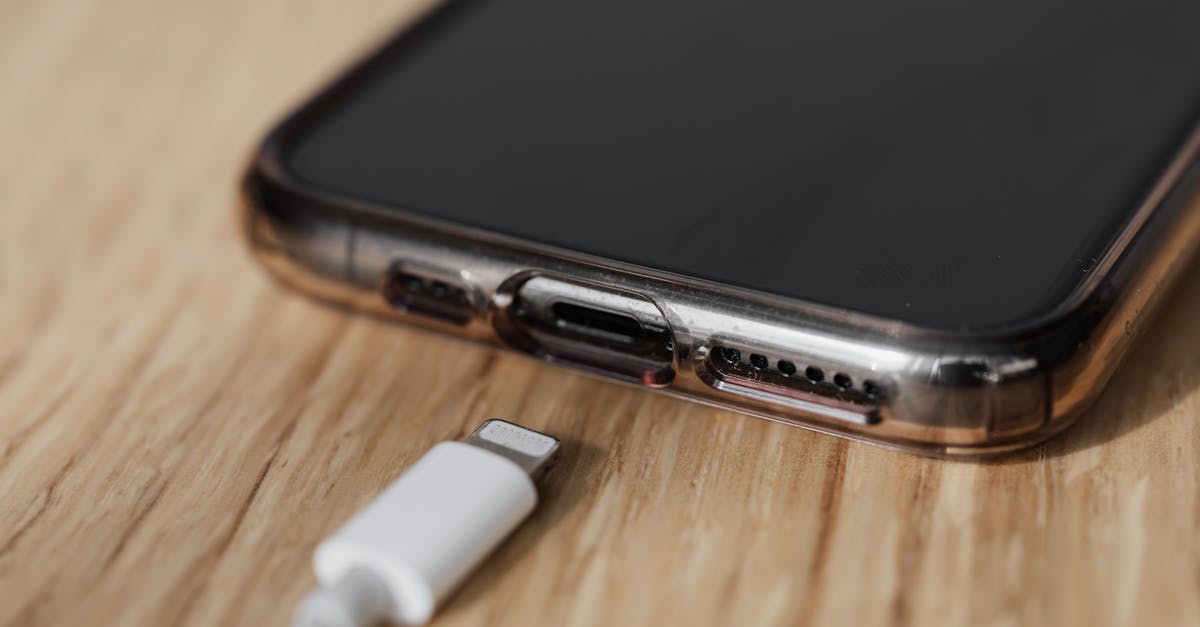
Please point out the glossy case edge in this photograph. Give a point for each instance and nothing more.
(934, 392)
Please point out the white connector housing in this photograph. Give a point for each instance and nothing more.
(415, 543)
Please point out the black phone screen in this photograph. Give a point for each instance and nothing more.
(950, 164)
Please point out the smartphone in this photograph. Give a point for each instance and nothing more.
(931, 225)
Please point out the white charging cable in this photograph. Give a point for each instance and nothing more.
(399, 557)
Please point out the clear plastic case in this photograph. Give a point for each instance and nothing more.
(836, 371)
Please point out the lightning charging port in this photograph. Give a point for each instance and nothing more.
(612, 332)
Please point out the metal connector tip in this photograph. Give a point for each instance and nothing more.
(534, 452)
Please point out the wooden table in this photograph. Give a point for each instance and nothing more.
(177, 432)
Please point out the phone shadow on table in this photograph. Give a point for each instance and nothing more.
(1161, 370)
(576, 459)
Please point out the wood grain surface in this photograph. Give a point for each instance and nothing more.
(177, 432)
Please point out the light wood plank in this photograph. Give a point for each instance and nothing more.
(177, 432)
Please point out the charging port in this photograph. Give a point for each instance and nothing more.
(615, 333)
(602, 324)
(426, 296)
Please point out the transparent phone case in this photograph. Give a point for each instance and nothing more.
(835, 371)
